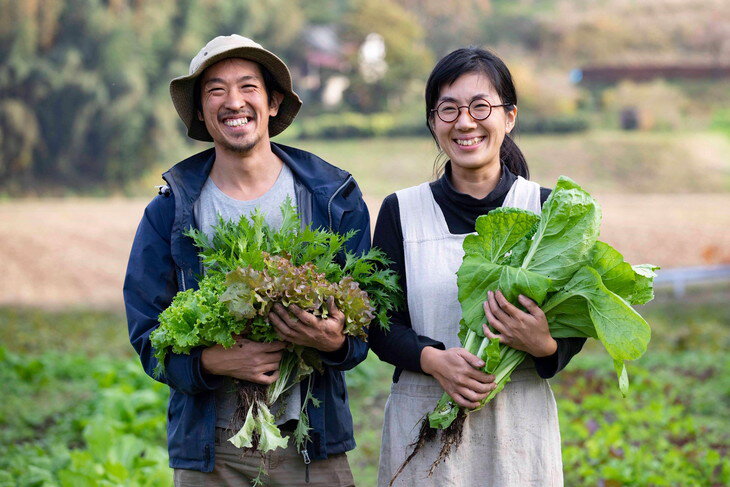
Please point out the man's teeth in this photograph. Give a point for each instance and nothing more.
(473, 141)
(236, 122)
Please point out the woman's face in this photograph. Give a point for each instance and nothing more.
(472, 145)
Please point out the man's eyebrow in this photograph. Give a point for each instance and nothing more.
(239, 80)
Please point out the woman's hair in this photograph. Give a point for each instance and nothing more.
(475, 60)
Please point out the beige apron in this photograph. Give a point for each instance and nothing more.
(514, 440)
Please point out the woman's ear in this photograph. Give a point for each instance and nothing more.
(511, 119)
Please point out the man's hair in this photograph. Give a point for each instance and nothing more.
(270, 84)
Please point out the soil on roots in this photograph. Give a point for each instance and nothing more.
(450, 437)
(248, 394)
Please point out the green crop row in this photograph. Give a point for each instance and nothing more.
(74, 421)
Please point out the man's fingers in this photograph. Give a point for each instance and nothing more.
(288, 315)
(334, 311)
(266, 378)
(282, 329)
(273, 346)
(303, 316)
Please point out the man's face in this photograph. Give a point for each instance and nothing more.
(235, 106)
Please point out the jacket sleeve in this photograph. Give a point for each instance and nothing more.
(354, 350)
(149, 286)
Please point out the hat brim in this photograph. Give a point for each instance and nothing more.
(182, 91)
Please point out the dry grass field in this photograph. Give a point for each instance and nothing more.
(73, 252)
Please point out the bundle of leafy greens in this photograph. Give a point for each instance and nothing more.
(249, 268)
(584, 286)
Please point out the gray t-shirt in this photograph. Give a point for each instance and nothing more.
(214, 202)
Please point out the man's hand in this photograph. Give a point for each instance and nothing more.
(246, 360)
(458, 372)
(304, 328)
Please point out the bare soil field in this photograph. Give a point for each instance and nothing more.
(73, 252)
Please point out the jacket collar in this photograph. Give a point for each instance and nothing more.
(321, 180)
(186, 178)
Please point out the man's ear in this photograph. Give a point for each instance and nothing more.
(200, 116)
(276, 99)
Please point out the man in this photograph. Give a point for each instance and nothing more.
(238, 95)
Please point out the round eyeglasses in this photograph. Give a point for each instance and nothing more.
(479, 109)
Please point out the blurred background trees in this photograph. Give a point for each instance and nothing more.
(84, 99)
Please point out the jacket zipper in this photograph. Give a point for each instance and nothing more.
(329, 203)
(182, 279)
(307, 461)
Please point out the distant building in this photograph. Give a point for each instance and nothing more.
(606, 75)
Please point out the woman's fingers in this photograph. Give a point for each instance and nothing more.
(464, 402)
(530, 305)
(471, 359)
(505, 306)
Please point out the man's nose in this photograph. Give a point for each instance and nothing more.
(235, 100)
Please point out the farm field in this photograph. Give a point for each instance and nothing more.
(98, 420)
(73, 252)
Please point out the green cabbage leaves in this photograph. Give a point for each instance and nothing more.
(583, 285)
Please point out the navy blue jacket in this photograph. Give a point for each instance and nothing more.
(163, 261)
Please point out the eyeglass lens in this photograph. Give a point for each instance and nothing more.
(479, 109)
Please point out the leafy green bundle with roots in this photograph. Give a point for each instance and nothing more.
(251, 266)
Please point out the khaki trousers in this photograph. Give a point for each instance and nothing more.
(235, 467)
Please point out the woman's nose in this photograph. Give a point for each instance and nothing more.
(464, 120)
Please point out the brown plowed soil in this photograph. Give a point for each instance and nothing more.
(73, 252)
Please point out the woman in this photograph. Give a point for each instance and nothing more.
(471, 107)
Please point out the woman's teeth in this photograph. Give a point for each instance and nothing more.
(473, 141)
(236, 122)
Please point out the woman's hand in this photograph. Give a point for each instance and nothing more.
(458, 373)
(526, 331)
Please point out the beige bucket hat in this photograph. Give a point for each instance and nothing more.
(232, 46)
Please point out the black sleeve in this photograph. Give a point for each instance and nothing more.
(547, 367)
(401, 345)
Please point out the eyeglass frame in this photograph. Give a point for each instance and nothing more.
(468, 110)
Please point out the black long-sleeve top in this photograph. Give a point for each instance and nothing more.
(402, 346)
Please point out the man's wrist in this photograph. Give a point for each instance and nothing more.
(335, 345)
(205, 362)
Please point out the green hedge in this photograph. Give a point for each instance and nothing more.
(561, 124)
